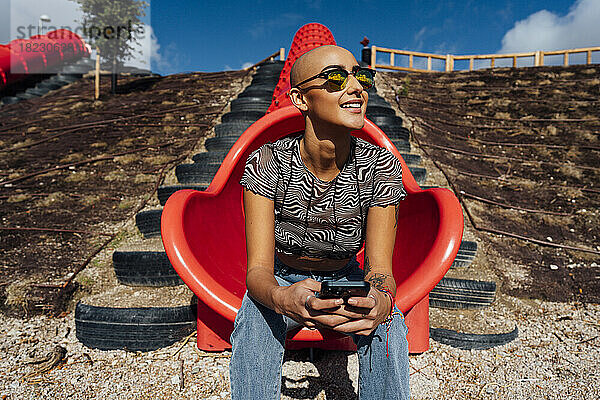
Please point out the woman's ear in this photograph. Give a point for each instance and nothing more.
(298, 99)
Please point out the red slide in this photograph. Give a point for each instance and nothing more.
(204, 238)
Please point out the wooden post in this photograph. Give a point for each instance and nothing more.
(97, 85)
(492, 61)
(515, 62)
(410, 61)
(536, 59)
(429, 63)
(566, 63)
(589, 57)
(448, 63)
(282, 54)
(373, 56)
(392, 58)
(471, 63)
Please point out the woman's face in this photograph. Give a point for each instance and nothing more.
(344, 108)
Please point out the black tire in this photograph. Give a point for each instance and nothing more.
(10, 100)
(145, 268)
(223, 143)
(395, 132)
(267, 80)
(377, 101)
(148, 223)
(411, 159)
(250, 104)
(258, 91)
(466, 254)
(373, 110)
(134, 329)
(196, 173)
(403, 146)
(50, 85)
(454, 293)
(234, 128)
(386, 120)
(242, 116)
(76, 69)
(274, 65)
(37, 91)
(25, 96)
(469, 341)
(209, 157)
(65, 78)
(420, 174)
(164, 192)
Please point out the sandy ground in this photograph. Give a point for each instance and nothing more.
(555, 357)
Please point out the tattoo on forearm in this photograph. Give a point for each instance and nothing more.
(367, 266)
(377, 280)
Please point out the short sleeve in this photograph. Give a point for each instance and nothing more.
(387, 180)
(261, 172)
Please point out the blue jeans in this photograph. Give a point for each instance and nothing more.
(258, 341)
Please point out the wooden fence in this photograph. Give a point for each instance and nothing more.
(538, 58)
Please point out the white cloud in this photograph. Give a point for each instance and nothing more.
(247, 64)
(545, 30)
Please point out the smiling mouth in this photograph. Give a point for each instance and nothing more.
(353, 106)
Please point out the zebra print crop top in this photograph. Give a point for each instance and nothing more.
(323, 219)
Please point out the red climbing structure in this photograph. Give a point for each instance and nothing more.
(204, 237)
(39, 54)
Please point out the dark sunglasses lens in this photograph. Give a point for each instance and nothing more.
(337, 79)
(366, 78)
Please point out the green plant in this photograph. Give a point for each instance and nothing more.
(404, 87)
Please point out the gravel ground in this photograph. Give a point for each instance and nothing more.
(555, 357)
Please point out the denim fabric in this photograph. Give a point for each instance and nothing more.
(258, 341)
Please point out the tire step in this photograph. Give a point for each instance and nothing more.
(145, 264)
(148, 223)
(242, 116)
(411, 159)
(164, 192)
(209, 157)
(223, 143)
(134, 329)
(467, 341)
(234, 128)
(196, 173)
(420, 174)
(452, 293)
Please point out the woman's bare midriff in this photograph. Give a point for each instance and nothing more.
(311, 264)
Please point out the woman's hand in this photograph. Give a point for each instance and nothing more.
(298, 301)
(365, 313)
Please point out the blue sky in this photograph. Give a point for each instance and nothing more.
(214, 36)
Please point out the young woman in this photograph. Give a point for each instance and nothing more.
(311, 202)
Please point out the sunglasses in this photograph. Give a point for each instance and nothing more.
(337, 78)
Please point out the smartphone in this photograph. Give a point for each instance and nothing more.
(343, 289)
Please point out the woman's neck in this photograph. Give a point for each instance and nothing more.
(325, 155)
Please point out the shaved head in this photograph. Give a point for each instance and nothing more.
(313, 61)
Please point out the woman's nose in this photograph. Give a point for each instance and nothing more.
(353, 85)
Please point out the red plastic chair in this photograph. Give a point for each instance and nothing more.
(204, 238)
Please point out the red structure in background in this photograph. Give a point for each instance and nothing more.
(39, 54)
(204, 237)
